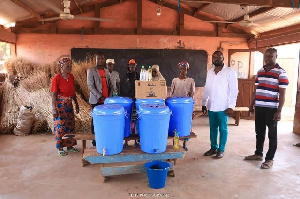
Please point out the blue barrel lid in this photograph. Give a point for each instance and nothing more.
(108, 109)
(155, 109)
(181, 100)
(149, 101)
(118, 100)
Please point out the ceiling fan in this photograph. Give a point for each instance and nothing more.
(66, 15)
(246, 22)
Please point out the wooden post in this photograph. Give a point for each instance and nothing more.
(97, 15)
(139, 17)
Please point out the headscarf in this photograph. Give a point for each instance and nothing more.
(64, 61)
(185, 64)
(159, 75)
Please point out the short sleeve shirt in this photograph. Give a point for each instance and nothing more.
(64, 87)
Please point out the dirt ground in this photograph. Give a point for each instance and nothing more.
(31, 168)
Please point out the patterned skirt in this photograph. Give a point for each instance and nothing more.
(64, 123)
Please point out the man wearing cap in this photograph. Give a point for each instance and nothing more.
(99, 83)
(128, 81)
(114, 77)
(220, 94)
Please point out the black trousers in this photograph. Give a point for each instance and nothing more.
(92, 125)
(264, 118)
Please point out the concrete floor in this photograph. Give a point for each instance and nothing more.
(31, 168)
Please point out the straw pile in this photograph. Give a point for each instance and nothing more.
(34, 90)
(79, 71)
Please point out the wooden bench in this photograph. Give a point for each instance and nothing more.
(236, 113)
(131, 160)
(84, 136)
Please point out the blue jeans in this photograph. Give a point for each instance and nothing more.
(218, 122)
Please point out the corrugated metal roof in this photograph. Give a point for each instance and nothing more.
(274, 19)
(271, 20)
(227, 11)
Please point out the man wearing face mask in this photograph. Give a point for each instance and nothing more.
(128, 81)
(219, 97)
(99, 83)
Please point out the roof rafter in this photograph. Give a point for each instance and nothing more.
(254, 13)
(262, 3)
(199, 15)
(27, 8)
(204, 5)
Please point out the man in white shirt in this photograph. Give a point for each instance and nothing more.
(220, 94)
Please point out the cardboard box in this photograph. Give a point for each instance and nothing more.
(150, 89)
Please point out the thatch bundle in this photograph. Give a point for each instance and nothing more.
(9, 108)
(34, 90)
(79, 71)
(21, 65)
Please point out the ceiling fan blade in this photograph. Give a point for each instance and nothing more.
(92, 18)
(50, 19)
(220, 21)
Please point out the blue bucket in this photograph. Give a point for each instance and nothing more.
(157, 173)
(182, 113)
(126, 102)
(153, 120)
(109, 122)
(139, 102)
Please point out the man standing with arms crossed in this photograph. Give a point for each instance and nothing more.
(220, 94)
(268, 97)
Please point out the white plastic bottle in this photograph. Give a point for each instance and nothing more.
(146, 75)
(143, 74)
(149, 73)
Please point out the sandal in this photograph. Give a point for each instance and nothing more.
(297, 145)
(254, 157)
(73, 149)
(62, 153)
(267, 164)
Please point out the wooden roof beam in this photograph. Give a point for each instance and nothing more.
(27, 8)
(254, 13)
(198, 15)
(77, 5)
(264, 3)
(204, 5)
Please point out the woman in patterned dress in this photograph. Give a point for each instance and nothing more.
(63, 92)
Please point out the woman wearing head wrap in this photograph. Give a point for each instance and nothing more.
(156, 75)
(63, 92)
(183, 86)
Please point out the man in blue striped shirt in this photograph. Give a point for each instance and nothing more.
(269, 96)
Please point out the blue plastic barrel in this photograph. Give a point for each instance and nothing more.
(139, 102)
(157, 173)
(153, 122)
(109, 122)
(126, 102)
(182, 112)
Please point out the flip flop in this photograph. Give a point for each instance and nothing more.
(254, 157)
(62, 153)
(73, 149)
(297, 145)
(267, 164)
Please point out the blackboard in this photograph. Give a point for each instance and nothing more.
(166, 59)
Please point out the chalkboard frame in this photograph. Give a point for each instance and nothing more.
(167, 59)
